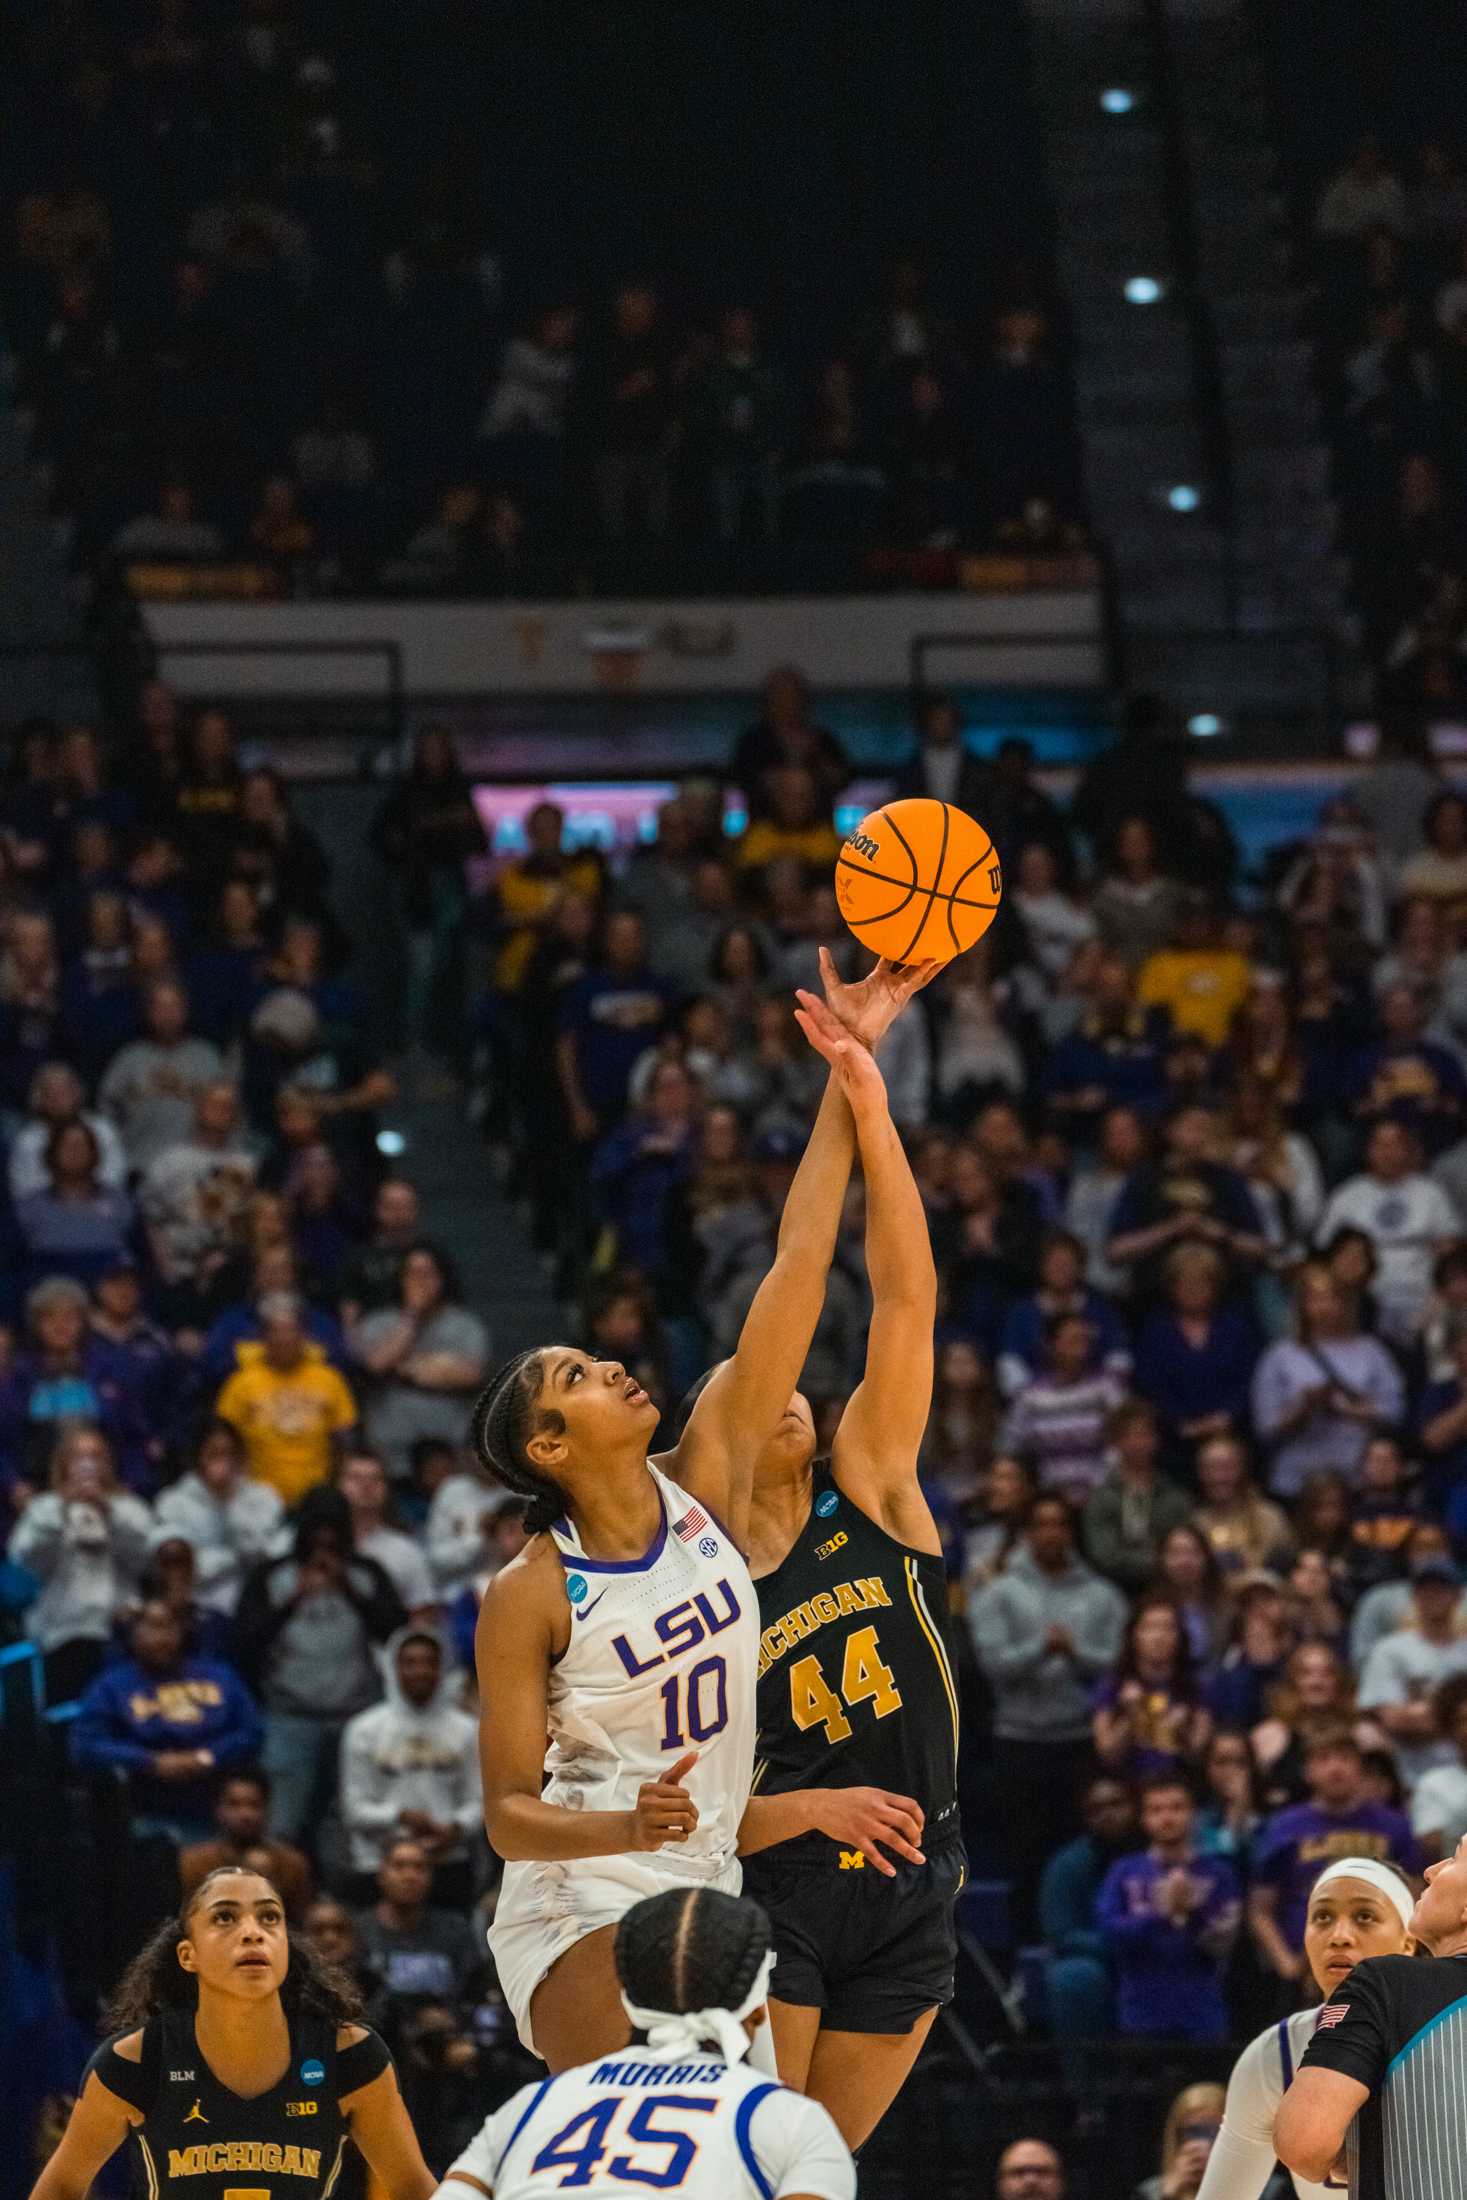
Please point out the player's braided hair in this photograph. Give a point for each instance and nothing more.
(506, 1414)
(156, 1980)
(691, 1948)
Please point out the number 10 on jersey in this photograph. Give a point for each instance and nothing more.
(694, 1704)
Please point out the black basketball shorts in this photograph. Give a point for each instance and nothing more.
(872, 1954)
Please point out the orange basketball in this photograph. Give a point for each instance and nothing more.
(918, 881)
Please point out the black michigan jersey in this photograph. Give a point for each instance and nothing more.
(856, 1680)
(199, 2141)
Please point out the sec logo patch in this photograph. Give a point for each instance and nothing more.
(575, 1588)
(708, 1547)
(826, 1503)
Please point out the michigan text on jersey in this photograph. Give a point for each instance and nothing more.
(818, 1611)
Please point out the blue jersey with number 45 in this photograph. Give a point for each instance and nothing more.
(652, 2121)
(662, 1659)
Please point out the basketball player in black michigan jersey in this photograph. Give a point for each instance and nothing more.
(236, 2068)
(856, 1682)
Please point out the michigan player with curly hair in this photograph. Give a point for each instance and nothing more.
(237, 2064)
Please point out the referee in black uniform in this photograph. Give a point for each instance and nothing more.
(1384, 2079)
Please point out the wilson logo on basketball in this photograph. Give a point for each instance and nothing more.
(863, 844)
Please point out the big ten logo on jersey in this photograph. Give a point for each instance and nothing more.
(836, 1543)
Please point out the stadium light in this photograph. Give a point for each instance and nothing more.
(1143, 290)
(1184, 496)
(1116, 100)
(1206, 723)
(391, 1143)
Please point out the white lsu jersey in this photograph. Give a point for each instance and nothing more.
(663, 1658)
(650, 2118)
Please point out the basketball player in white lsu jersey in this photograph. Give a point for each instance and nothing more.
(628, 1629)
(679, 2112)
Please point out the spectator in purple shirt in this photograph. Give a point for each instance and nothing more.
(1169, 1918)
(1294, 1846)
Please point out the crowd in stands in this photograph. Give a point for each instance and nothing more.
(250, 331)
(1193, 1147)
(1390, 273)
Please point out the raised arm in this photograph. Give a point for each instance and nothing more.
(880, 1434)
(740, 1408)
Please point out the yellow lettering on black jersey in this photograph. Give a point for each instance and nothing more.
(817, 1612)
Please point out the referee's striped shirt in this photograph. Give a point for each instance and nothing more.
(1399, 2026)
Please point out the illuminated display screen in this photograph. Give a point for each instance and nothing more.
(613, 814)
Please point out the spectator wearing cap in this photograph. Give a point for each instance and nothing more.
(362, 1479)
(1407, 1074)
(421, 1359)
(1388, 1605)
(410, 1766)
(64, 1373)
(231, 1520)
(1198, 981)
(1169, 1917)
(172, 1577)
(1318, 1396)
(292, 1409)
(193, 1198)
(1405, 1669)
(77, 1226)
(56, 1097)
(1294, 1845)
(1240, 1688)
(1408, 1219)
(171, 1720)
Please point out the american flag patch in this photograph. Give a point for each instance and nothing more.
(1333, 2013)
(691, 1524)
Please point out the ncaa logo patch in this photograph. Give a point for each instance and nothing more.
(826, 1503)
(313, 2073)
(576, 1587)
(708, 1547)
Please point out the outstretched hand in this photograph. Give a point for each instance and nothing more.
(869, 1006)
(854, 1064)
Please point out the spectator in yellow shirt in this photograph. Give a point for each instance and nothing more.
(1199, 980)
(798, 827)
(290, 1405)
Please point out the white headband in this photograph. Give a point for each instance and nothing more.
(1377, 1875)
(684, 2031)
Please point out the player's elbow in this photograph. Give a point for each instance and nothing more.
(1302, 2145)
